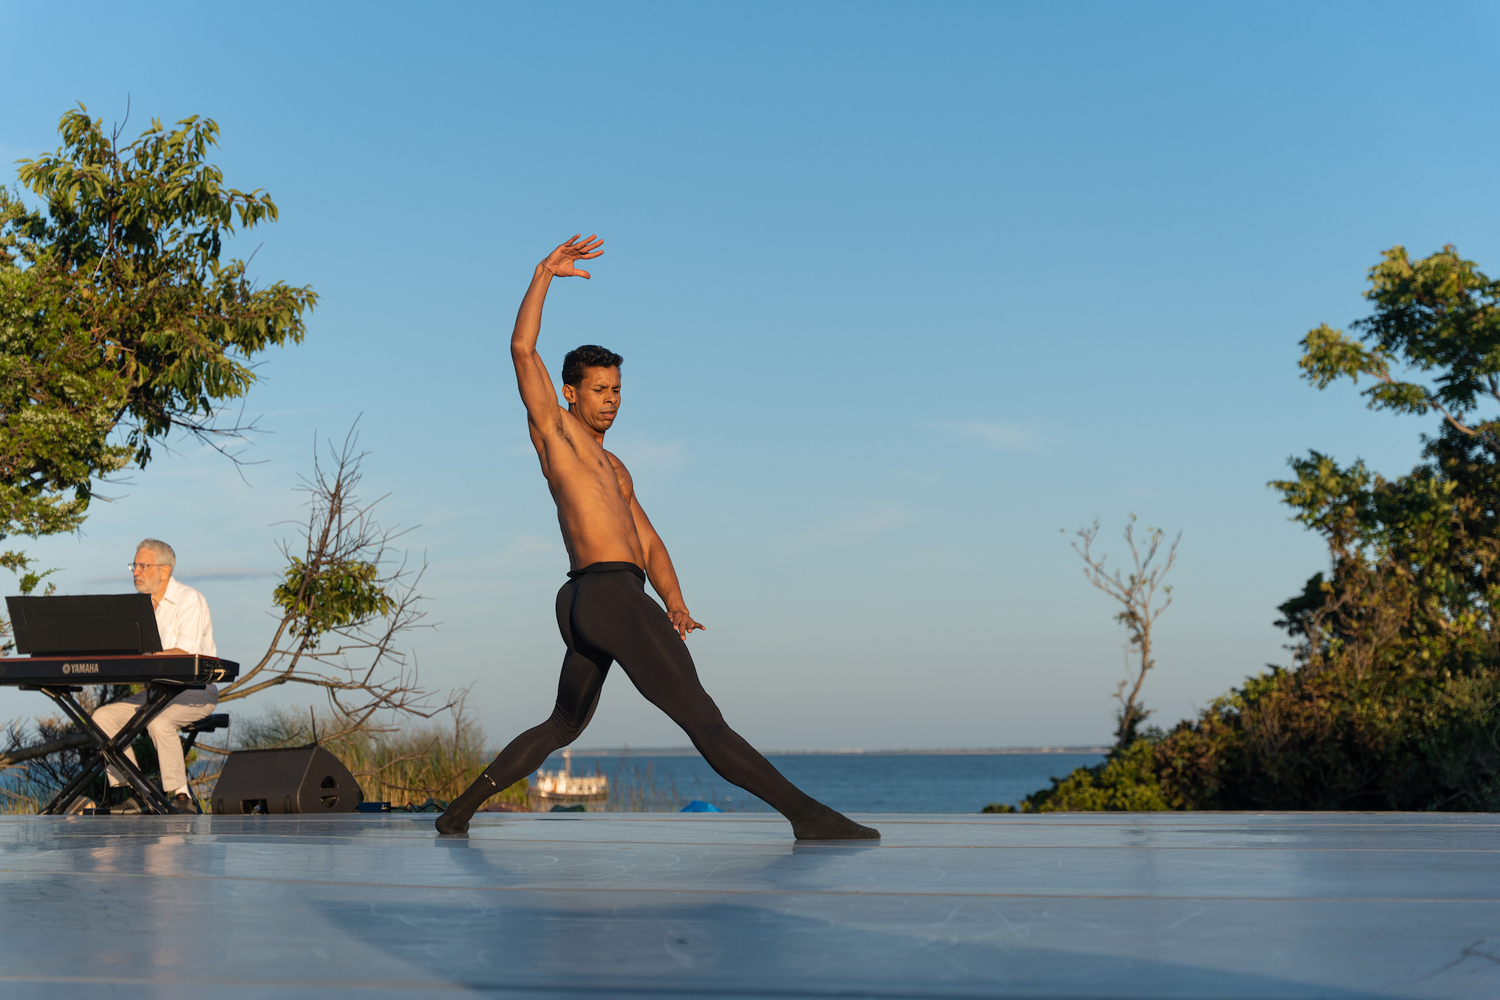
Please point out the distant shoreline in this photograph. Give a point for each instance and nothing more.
(971, 752)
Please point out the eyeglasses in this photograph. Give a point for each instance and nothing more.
(141, 566)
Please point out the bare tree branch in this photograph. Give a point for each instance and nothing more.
(1135, 590)
(25, 753)
(347, 604)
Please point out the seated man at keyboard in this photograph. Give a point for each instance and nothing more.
(185, 628)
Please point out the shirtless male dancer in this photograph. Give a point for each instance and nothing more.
(603, 612)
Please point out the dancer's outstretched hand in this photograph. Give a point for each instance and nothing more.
(683, 622)
(560, 261)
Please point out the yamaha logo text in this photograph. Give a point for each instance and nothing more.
(80, 668)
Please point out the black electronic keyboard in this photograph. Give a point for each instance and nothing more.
(165, 677)
(48, 671)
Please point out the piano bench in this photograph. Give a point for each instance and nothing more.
(207, 724)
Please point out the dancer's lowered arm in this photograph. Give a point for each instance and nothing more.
(659, 568)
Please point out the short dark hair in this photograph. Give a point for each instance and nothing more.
(587, 356)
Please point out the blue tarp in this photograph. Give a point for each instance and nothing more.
(700, 807)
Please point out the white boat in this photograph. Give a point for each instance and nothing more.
(559, 787)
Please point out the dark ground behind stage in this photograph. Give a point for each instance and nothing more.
(1143, 905)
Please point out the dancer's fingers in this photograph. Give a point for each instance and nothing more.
(582, 274)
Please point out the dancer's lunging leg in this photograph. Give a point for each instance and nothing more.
(606, 608)
(603, 612)
(577, 696)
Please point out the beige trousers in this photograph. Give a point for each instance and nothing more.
(190, 706)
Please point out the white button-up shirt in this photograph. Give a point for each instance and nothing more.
(182, 620)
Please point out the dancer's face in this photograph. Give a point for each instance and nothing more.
(596, 399)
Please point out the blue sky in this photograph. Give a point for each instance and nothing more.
(903, 291)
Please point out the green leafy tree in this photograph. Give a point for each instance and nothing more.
(1440, 314)
(28, 579)
(1393, 697)
(120, 319)
(1395, 654)
(1415, 561)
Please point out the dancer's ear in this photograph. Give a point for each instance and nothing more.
(570, 393)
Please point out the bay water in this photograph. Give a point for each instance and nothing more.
(849, 782)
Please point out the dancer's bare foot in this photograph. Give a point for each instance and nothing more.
(818, 822)
(812, 820)
(452, 823)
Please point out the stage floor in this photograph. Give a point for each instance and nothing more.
(644, 905)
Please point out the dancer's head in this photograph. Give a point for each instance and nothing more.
(591, 385)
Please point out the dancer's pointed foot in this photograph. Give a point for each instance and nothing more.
(818, 822)
(451, 822)
(455, 819)
(812, 820)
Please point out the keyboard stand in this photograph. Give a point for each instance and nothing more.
(111, 750)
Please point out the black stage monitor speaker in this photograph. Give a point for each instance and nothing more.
(85, 624)
(300, 780)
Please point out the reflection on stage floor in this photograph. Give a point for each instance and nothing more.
(1190, 905)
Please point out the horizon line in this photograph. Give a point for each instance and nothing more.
(688, 751)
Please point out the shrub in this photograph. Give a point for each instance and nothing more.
(1125, 781)
(1400, 737)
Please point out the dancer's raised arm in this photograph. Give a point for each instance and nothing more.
(537, 390)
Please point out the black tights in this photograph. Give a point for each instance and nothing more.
(605, 616)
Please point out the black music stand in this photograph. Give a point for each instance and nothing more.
(96, 625)
(84, 625)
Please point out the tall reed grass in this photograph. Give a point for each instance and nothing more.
(21, 796)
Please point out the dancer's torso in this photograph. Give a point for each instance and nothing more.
(593, 492)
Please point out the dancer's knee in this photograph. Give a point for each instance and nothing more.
(702, 711)
(565, 727)
(711, 731)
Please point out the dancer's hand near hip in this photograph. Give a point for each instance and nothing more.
(683, 622)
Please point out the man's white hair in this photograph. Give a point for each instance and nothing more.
(161, 549)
